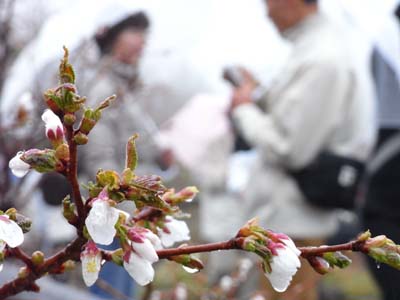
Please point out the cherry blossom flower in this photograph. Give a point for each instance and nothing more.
(174, 231)
(284, 262)
(101, 220)
(91, 263)
(10, 233)
(138, 261)
(18, 167)
(54, 127)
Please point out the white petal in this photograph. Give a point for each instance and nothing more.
(1, 267)
(91, 265)
(146, 250)
(101, 221)
(154, 239)
(178, 232)
(139, 269)
(10, 232)
(51, 120)
(292, 246)
(284, 266)
(18, 167)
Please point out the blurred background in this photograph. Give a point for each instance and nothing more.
(188, 45)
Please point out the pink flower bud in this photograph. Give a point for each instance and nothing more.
(54, 127)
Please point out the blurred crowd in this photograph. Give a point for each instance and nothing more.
(307, 140)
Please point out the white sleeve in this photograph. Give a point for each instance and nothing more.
(299, 125)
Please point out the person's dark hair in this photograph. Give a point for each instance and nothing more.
(310, 1)
(106, 38)
(397, 13)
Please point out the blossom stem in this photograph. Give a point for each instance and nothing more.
(72, 176)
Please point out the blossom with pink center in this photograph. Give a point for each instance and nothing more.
(10, 233)
(284, 262)
(138, 261)
(18, 167)
(173, 231)
(101, 220)
(91, 263)
(54, 127)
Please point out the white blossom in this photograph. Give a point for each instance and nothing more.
(54, 127)
(101, 220)
(10, 232)
(143, 254)
(139, 268)
(18, 167)
(284, 264)
(174, 231)
(91, 263)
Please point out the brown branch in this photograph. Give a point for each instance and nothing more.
(228, 245)
(21, 255)
(54, 264)
(50, 265)
(72, 176)
(355, 246)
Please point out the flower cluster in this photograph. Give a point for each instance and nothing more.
(152, 224)
(279, 253)
(105, 222)
(43, 160)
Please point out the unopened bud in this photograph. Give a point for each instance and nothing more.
(52, 101)
(23, 272)
(62, 152)
(69, 210)
(69, 265)
(12, 213)
(37, 258)
(383, 250)
(89, 120)
(81, 138)
(337, 259)
(319, 264)
(42, 160)
(69, 119)
(364, 236)
(24, 222)
(188, 261)
(185, 195)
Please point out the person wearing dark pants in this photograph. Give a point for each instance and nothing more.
(381, 210)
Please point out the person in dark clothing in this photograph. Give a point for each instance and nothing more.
(381, 210)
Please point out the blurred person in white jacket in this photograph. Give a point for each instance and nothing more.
(317, 103)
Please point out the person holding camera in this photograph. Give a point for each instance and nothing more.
(317, 115)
